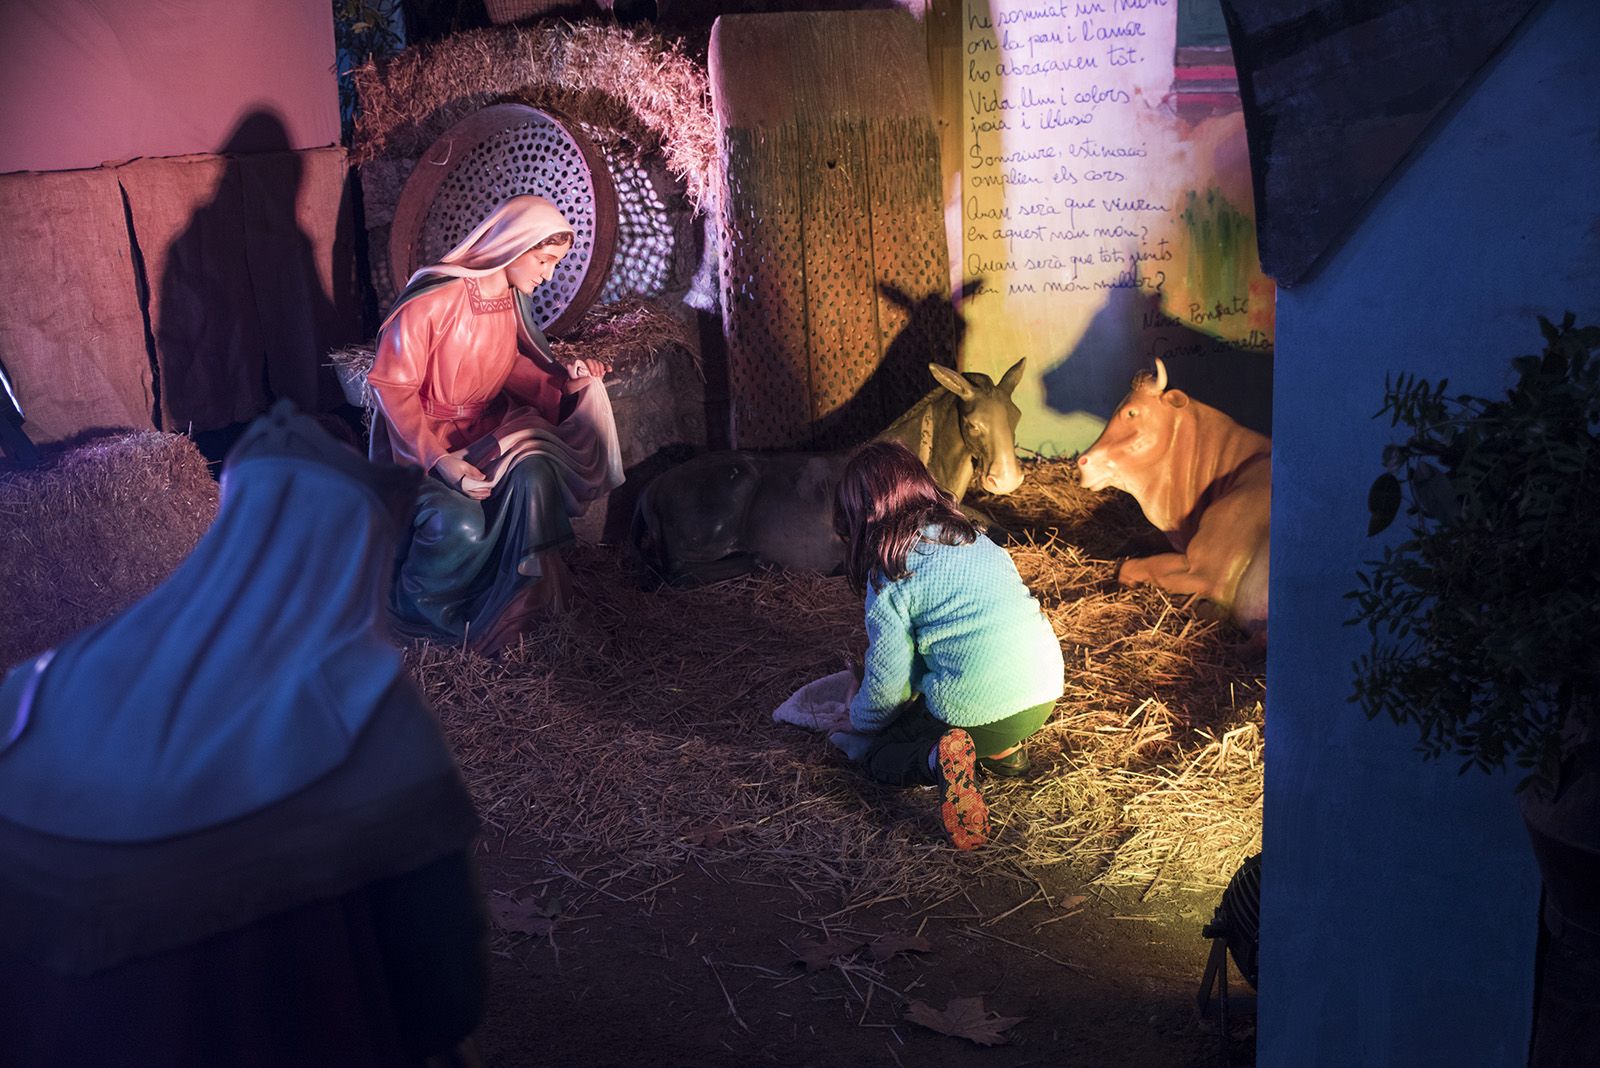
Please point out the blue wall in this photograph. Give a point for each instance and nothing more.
(1400, 910)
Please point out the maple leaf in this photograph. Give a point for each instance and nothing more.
(529, 916)
(819, 955)
(964, 1018)
(885, 946)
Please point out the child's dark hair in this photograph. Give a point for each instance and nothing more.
(884, 499)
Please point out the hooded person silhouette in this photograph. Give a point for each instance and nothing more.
(230, 829)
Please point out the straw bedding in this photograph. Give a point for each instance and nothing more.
(92, 530)
(634, 735)
(625, 335)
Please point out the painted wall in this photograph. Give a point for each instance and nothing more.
(1399, 910)
(1103, 199)
(88, 81)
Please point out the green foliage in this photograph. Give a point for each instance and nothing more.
(362, 30)
(1485, 620)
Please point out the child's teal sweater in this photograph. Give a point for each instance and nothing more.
(962, 630)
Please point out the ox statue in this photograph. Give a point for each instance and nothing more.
(723, 513)
(1204, 481)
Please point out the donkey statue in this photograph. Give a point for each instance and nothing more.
(724, 513)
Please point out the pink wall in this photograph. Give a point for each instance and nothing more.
(87, 81)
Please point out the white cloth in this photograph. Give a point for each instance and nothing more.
(824, 705)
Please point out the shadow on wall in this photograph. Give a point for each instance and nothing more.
(243, 315)
(933, 333)
(1128, 334)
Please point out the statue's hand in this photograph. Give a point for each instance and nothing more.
(587, 368)
(455, 472)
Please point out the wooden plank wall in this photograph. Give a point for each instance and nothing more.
(243, 267)
(831, 195)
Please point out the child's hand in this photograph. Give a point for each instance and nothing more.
(852, 745)
(835, 720)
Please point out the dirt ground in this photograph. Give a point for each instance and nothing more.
(706, 974)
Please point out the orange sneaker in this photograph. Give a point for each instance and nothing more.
(966, 817)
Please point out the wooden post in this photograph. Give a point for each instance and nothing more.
(831, 195)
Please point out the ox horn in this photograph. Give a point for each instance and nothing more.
(1161, 375)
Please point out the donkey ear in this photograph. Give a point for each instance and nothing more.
(896, 296)
(953, 381)
(1009, 380)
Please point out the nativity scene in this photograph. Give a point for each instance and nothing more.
(728, 532)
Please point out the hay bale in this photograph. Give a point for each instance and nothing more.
(597, 72)
(94, 529)
(639, 98)
(625, 335)
(350, 365)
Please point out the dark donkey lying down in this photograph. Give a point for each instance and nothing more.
(724, 513)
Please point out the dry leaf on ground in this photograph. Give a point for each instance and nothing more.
(964, 1018)
(819, 955)
(885, 946)
(529, 916)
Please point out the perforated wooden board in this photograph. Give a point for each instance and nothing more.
(831, 191)
(841, 295)
(499, 152)
(763, 290)
(911, 257)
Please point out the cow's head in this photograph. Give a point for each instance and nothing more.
(1136, 437)
(988, 423)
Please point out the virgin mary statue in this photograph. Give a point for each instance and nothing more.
(515, 444)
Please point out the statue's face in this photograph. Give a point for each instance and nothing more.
(534, 267)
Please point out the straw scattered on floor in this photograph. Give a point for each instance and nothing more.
(96, 526)
(634, 735)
